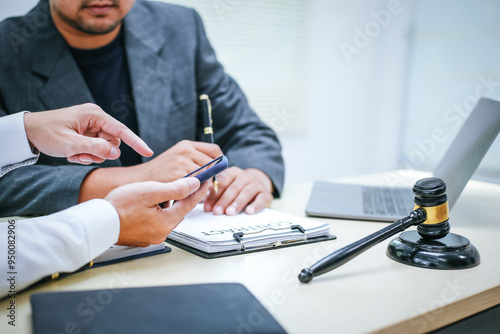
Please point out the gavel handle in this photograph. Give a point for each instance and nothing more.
(345, 254)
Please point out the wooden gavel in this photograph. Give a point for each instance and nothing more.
(431, 214)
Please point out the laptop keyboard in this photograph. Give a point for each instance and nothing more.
(387, 201)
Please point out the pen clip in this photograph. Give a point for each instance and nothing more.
(204, 97)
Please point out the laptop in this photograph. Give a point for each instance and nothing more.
(362, 202)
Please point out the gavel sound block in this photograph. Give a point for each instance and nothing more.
(431, 246)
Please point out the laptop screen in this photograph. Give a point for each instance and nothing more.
(469, 147)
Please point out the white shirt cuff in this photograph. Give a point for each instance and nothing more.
(15, 150)
(101, 222)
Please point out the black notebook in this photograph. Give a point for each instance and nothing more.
(204, 308)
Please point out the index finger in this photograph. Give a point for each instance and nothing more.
(135, 142)
(115, 128)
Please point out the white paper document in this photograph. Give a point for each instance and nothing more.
(210, 233)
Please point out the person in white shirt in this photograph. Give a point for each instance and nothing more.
(67, 240)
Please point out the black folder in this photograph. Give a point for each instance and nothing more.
(203, 308)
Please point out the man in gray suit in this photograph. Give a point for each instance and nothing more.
(145, 63)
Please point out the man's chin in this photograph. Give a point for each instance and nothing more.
(97, 29)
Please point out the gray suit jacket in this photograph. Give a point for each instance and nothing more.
(171, 63)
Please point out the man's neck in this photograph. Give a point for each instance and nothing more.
(80, 40)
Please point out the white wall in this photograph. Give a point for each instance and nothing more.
(353, 105)
(455, 60)
(15, 8)
(348, 106)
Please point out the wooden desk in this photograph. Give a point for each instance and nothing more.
(369, 294)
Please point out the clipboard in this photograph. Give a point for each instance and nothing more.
(212, 236)
(217, 255)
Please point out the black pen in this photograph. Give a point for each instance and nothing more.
(208, 130)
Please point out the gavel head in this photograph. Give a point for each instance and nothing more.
(430, 195)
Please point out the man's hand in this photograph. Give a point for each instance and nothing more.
(142, 220)
(238, 188)
(173, 164)
(84, 134)
(178, 161)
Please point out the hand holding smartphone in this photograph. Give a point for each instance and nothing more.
(216, 166)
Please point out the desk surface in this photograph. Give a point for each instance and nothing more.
(369, 294)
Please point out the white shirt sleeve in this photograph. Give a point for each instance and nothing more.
(61, 242)
(15, 150)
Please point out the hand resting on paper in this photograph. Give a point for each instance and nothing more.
(249, 189)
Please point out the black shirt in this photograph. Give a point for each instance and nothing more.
(106, 73)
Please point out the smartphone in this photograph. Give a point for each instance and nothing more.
(215, 167)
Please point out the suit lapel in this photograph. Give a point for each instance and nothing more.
(65, 85)
(149, 75)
